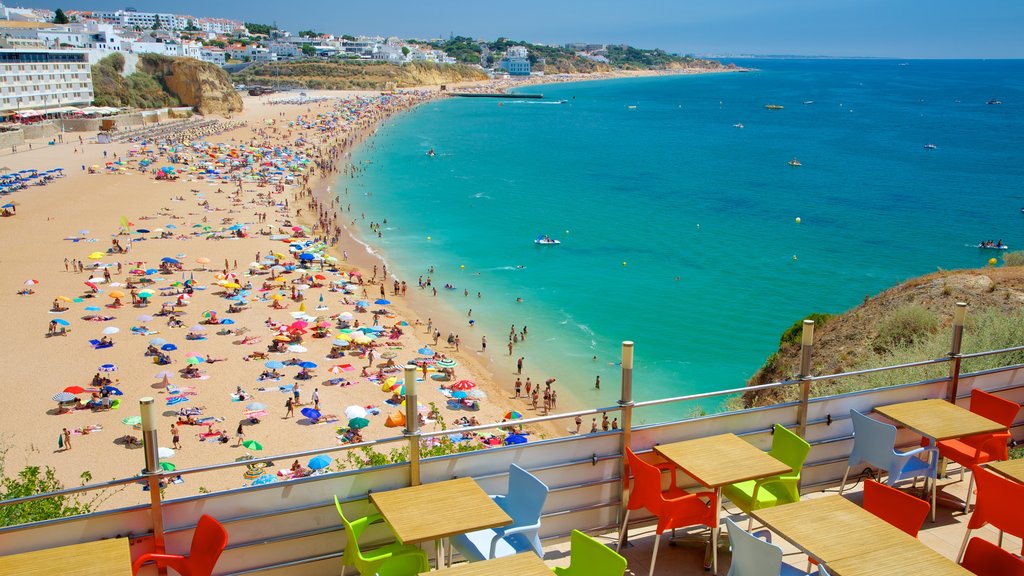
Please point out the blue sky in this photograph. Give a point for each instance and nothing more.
(898, 28)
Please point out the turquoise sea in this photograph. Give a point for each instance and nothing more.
(678, 229)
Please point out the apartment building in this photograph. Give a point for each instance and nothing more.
(43, 79)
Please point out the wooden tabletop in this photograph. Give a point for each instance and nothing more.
(1012, 469)
(524, 564)
(110, 557)
(907, 561)
(715, 461)
(438, 510)
(938, 419)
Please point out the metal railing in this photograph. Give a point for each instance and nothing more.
(414, 438)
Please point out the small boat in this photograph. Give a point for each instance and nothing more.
(795, 162)
(431, 152)
(808, 101)
(930, 146)
(992, 246)
(738, 125)
(631, 107)
(993, 101)
(773, 106)
(545, 240)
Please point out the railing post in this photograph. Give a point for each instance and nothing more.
(412, 424)
(147, 408)
(959, 314)
(626, 402)
(806, 351)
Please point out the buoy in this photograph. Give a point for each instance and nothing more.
(991, 261)
(794, 257)
(462, 266)
(797, 219)
(623, 263)
(698, 225)
(566, 231)
(428, 238)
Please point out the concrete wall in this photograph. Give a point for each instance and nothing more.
(11, 138)
(41, 130)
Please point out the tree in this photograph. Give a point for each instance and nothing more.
(308, 50)
(308, 34)
(156, 24)
(59, 17)
(348, 37)
(255, 28)
(35, 480)
(405, 50)
(191, 26)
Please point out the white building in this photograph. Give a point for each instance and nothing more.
(284, 49)
(388, 53)
(516, 61)
(258, 54)
(217, 25)
(145, 20)
(43, 79)
(213, 55)
(91, 34)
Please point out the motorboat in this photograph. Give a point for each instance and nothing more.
(993, 101)
(794, 162)
(545, 240)
(930, 146)
(431, 152)
(738, 125)
(773, 106)
(992, 246)
(808, 101)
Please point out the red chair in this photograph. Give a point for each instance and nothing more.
(986, 559)
(998, 504)
(674, 508)
(895, 507)
(971, 451)
(208, 541)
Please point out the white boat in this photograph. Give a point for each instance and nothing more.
(808, 101)
(989, 246)
(739, 125)
(930, 146)
(794, 162)
(545, 240)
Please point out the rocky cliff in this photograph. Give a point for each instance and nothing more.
(202, 85)
(357, 75)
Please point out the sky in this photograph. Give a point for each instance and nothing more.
(841, 28)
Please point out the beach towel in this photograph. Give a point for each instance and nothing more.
(97, 345)
(327, 418)
(60, 441)
(286, 388)
(254, 413)
(171, 401)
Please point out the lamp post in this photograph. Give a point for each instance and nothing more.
(806, 351)
(412, 424)
(626, 402)
(147, 408)
(959, 315)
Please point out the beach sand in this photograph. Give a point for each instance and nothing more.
(37, 365)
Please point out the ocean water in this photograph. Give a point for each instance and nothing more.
(678, 229)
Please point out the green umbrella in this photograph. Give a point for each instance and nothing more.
(132, 421)
(194, 360)
(358, 423)
(168, 466)
(252, 445)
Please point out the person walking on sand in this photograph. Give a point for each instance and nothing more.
(519, 365)
(518, 387)
(290, 406)
(316, 399)
(597, 383)
(593, 425)
(66, 436)
(483, 343)
(175, 438)
(510, 350)
(579, 422)
(240, 434)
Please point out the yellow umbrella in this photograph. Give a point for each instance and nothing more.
(116, 294)
(64, 299)
(277, 297)
(388, 384)
(362, 339)
(96, 255)
(344, 337)
(230, 285)
(203, 260)
(282, 338)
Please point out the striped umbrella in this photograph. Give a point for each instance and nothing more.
(64, 397)
(464, 385)
(447, 363)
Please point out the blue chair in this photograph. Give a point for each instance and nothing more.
(526, 497)
(874, 442)
(752, 556)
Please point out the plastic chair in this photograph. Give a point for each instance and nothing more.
(789, 449)
(895, 507)
(985, 559)
(998, 504)
(752, 556)
(588, 557)
(525, 500)
(208, 542)
(874, 442)
(971, 451)
(674, 508)
(370, 562)
(401, 565)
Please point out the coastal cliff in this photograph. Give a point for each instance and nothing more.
(905, 323)
(357, 75)
(161, 81)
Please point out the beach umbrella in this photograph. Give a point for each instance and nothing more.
(264, 479)
(464, 385)
(227, 321)
(146, 293)
(307, 364)
(459, 394)
(116, 294)
(347, 316)
(61, 322)
(198, 328)
(447, 363)
(92, 285)
(145, 317)
(297, 349)
(111, 330)
(112, 390)
(31, 282)
(355, 412)
(255, 406)
(515, 439)
(168, 347)
(311, 413)
(165, 452)
(512, 415)
(169, 260)
(98, 280)
(252, 445)
(167, 466)
(358, 423)
(96, 255)
(64, 397)
(282, 338)
(425, 351)
(382, 302)
(274, 364)
(193, 360)
(132, 421)
(389, 355)
(108, 368)
(66, 299)
(74, 389)
(157, 342)
(203, 260)
(92, 308)
(344, 338)
(319, 462)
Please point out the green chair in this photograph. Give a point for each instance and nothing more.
(588, 557)
(370, 562)
(401, 565)
(789, 449)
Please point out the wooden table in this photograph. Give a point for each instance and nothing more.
(851, 541)
(435, 511)
(524, 564)
(716, 461)
(110, 557)
(938, 419)
(1012, 469)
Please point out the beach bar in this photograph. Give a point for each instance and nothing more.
(294, 527)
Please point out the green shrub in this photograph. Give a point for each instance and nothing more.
(1014, 258)
(793, 334)
(905, 326)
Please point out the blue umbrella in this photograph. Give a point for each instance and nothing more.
(311, 413)
(515, 439)
(169, 260)
(142, 231)
(93, 308)
(108, 368)
(320, 462)
(264, 479)
(170, 226)
(362, 304)
(306, 256)
(274, 364)
(168, 347)
(157, 342)
(459, 394)
(382, 302)
(307, 364)
(151, 271)
(8, 205)
(227, 321)
(425, 351)
(62, 322)
(112, 390)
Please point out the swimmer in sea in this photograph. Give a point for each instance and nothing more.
(519, 300)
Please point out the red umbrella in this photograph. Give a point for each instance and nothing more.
(320, 277)
(463, 385)
(74, 389)
(91, 285)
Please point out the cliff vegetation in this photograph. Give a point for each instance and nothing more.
(359, 75)
(161, 81)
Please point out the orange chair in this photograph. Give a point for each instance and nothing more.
(985, 559)
(971, 451)
(895, 507)
(208, 541)
(998, 504)
(674, 508)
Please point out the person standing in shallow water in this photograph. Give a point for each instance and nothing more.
(597, 383)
